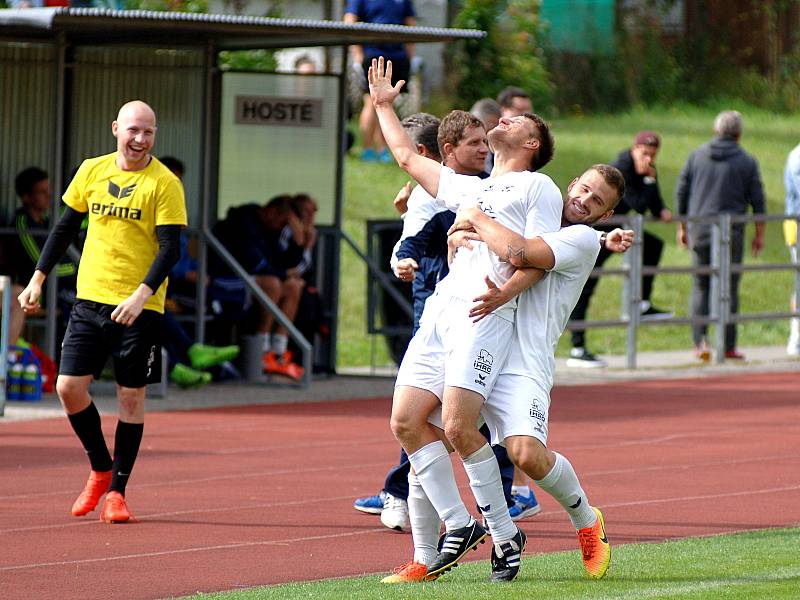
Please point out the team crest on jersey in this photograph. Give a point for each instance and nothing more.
(118, 192)
(484, 361)
(486, 208)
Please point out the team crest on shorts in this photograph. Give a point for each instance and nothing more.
(538, 414)
(484, 361)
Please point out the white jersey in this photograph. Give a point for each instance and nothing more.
(527, 203)
(543, 310)
(421, 209)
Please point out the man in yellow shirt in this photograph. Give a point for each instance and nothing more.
(136, 211)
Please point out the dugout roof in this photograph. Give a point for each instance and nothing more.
(227, 32)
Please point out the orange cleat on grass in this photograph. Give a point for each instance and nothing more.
(96, 486)
(595, 547)
(114, 509)
(411, 572)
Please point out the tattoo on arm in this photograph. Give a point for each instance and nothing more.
(519, 254)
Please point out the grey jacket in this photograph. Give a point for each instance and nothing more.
(718, 177)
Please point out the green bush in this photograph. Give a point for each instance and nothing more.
(510, 54)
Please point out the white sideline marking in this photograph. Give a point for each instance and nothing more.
(190, 550)
(662, 590)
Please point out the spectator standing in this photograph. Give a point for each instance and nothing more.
(389, 12)
(718, 177)
(791, 180)
(638, 166)
(136, 211)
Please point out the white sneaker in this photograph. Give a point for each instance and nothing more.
(793, 347)
(395, 513)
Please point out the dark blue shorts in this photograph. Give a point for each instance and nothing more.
(92, 337)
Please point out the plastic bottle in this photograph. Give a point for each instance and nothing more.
(14, 383)
(31, 383)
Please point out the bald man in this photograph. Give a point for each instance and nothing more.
(136, 211)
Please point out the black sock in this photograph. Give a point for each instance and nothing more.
(89, 431)
(126, 448)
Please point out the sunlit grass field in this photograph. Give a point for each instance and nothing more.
(760, 564)
(580, 142)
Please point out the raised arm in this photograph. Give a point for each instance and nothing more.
(424, 170)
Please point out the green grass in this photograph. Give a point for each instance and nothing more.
(760, 564)
(580, 142)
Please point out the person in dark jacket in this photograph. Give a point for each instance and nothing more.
(252, 233)
(638, 166)
(718, 177)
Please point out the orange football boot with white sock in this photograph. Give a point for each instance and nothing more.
(595, 547)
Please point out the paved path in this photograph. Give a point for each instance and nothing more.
(366, 383)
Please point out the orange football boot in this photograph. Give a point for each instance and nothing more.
(96, 486)
(114, 509)
(411, 572)
(595, 547)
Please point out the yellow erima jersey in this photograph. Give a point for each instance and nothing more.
(124, 209)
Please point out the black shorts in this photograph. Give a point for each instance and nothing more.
(401, 69)
(92, 337)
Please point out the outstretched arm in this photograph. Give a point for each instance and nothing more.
(424, 170)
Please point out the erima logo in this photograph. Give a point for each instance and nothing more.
(150, 360)
(120, 193)
(484, 509)
(577, 504)
(484, 362)
(112, 210)
(479, 382)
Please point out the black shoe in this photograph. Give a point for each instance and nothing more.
(506, 558)
(651, 313)
(453, 545)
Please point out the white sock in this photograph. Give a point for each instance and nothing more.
(265, 345)
(484, 479)
(563, 485)
(794, 330)
(280, 343)
(434, 471)
(521, 490)
(425, 523)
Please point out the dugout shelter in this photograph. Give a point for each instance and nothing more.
(243, 136)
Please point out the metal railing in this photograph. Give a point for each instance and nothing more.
(719, 271)
(266, 302)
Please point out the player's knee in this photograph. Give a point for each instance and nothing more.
(70, 392)
(403, 426)
(131, 403)
(294, 286)
(458, 434)
(529, 456)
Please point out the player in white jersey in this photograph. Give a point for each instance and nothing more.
(451, 359)
(516, 410)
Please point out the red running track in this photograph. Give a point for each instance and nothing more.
(240, 497)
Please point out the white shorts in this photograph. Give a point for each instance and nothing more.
(518, 405)
(450, 350)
